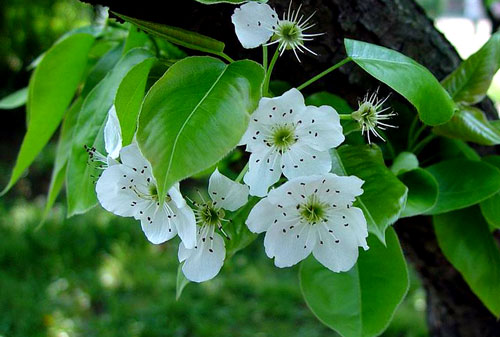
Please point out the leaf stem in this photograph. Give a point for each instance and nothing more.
(264, 56)
(225, 56)
(346, 117)
(420, 146)
(242, 173)
(324, 73)
(265, 88)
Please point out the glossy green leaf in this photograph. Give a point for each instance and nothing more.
(491, 206)
(471, 80)
(463, 183)
(422, 192)
(181, 282)
(51, 90)
(14, 100)
(384, 196)
(129, 98)
(136, 38)
(339, 104)
(450, 148)
(177, 35)
(195, 114)
(471, 125)
(237, 230)
(63, 152)
(410, 79)
(404, 162)
(89, 131)
(362, 301)
(467, 243)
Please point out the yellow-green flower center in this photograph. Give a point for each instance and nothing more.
(283, 137)
(313, 210)
(366, 115)
(289, 33)
(208, 214)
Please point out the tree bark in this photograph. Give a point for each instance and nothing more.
(452, 309)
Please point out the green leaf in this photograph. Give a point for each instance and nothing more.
(239, 233)
(339, 104)
(410, 79)
(404, 162)
(14, 100)
(422, 192)
(89, 131)
(62, 155)
(129, 98)
(463, 183)
(181, 282)
(454, 148)
(471, 125)
(491, 207)
(177, 35)
(51, 90)
(466, 242)
(471, 80)
(384, 196)
(195, 114)
(362, 301)
(136, 38)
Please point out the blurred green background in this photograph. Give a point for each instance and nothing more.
(97, 275)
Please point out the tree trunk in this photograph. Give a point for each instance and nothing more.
(452, 309)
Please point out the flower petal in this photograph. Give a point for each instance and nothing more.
(280, 110)
(157, 224)
(319, 127)
(132, 157)
(115, 191)
(289, 242)
(112, 134)
(185, 224)
(254, 23)
(176, 196)
(262, 216)
(340, 190)
(302, 160)
(352, 222)
(226, 193)
(205, 260)
(264, 170)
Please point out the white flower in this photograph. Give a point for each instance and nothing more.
(371, 116)
(255, 23)
(285, 135)
(129, 189)
(312, 214)
(204, 261)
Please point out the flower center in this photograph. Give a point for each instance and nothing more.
(289, 33)
(283, 136)
(313, 210)
(366, 114)
(208, 214)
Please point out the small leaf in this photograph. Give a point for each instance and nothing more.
(384, 196)
(89, 131)
(422, 192)
(14, 100)
(471, 80)
(471, 125)
(177, 35)
(180, 283)
(491, 206)
(362, 301)
(404, 162)
(467, 243)
(410, 79)
(463, 183)
(129, 98)
(195, 114)
(51, 90)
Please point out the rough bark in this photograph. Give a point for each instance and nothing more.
(453, 310)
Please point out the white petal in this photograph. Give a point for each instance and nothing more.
(294, 191)
(281, 109)
(340, 190)
(254, 23)
(203, 262)
(264, 170)
(112, 134)
(289, 245)
(132, 157)
(176, 196)
(185, 223)
(339, 252)
(262, 216)
(115, 193)
(351, 222)
(302, 160)
(320, 128)
(226, 193)
(255, 136)
(157, 225)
